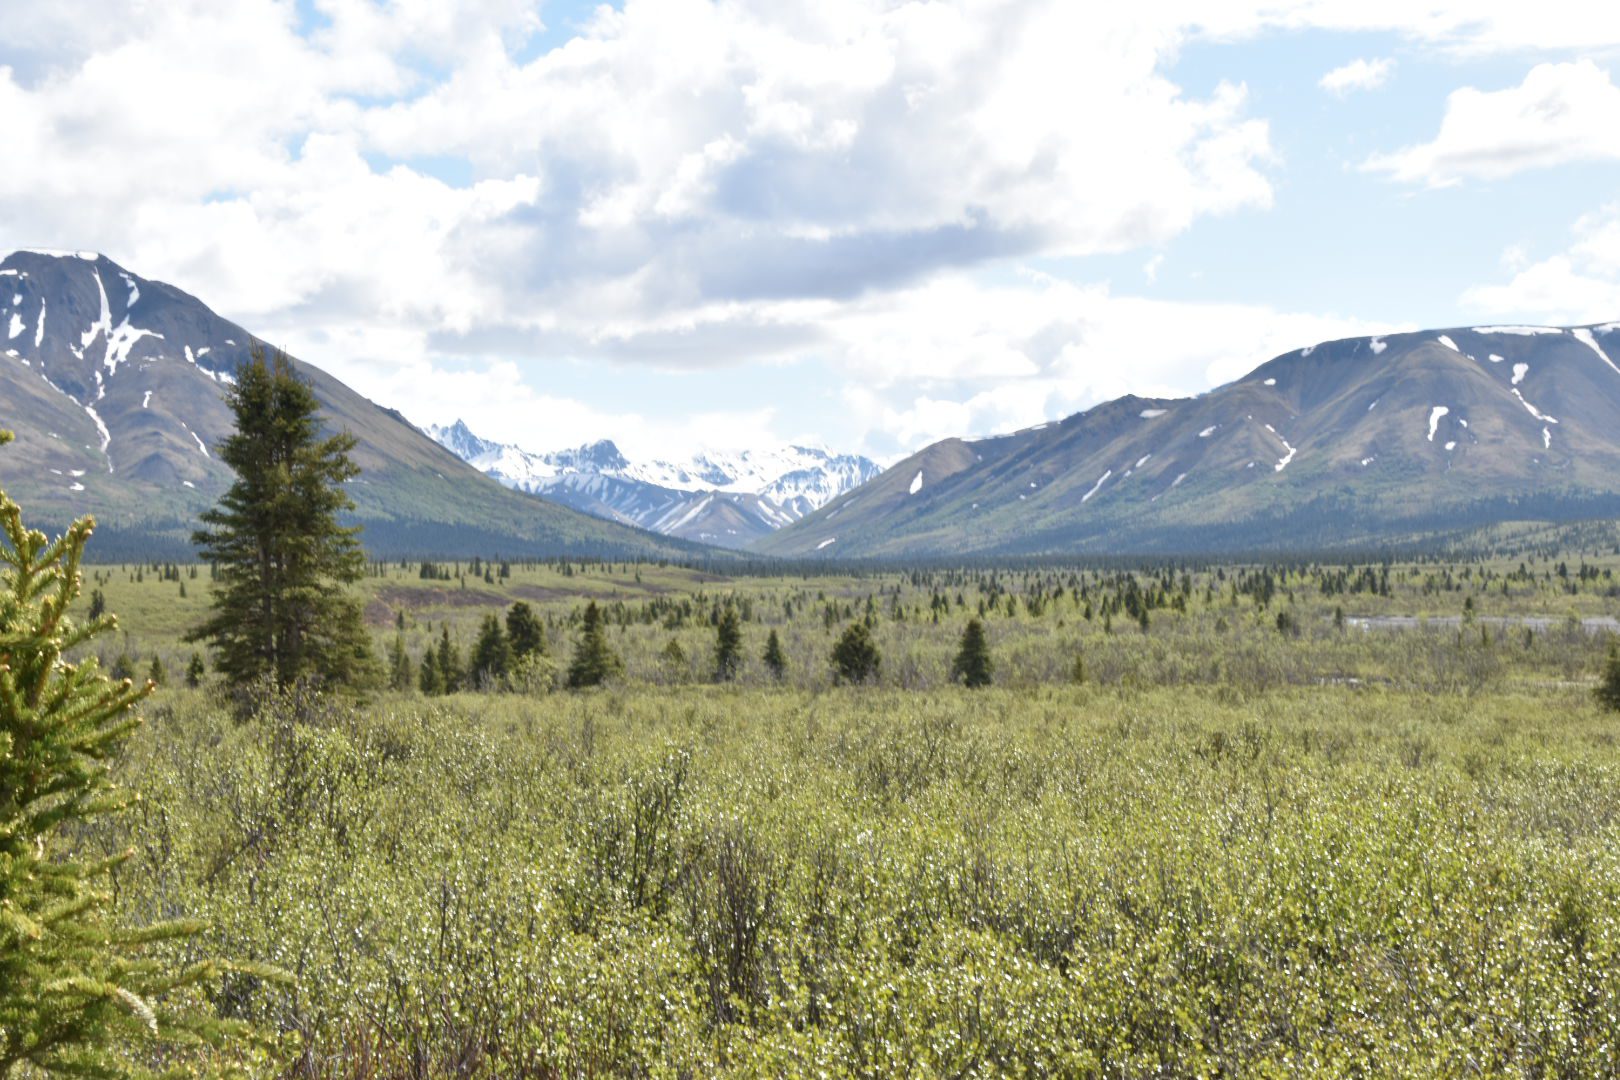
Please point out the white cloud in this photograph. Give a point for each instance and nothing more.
(406, 195)
(1560, 113)
(1357, 75)
(967, 359)
(1578, 285)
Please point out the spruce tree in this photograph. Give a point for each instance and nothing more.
(492, 654)
(427, 679)
(594, 661)
(155, 674)
(972, 664)
(195, 670)
(400, 674)
(79, 995)
(1608, 691)
(727, 645)
(855, 656)
(775, 658)
(279, 609)
(449, 660)
(525, 632)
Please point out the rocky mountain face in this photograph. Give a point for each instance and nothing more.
(726, 499)
(114, 384)
(1356, 442)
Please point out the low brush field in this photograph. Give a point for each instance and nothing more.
(1205, 823)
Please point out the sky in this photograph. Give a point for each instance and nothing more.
(865, 224)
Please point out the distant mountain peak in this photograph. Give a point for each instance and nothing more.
(726, 497)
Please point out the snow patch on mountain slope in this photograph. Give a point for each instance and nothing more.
(1434, 419)
(916, 483)
(106, 436)
(1526, 331)
(1101, 480)
(1537, 413)
(1584, 336)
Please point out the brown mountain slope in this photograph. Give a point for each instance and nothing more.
(1349, 442)
(113, 385)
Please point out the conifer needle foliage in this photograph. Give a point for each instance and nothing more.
(79, 995)
(280, 610)
(972, 665)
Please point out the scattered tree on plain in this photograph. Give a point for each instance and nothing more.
(855, 656)
(775, 659)
(525, 632)
(973, 666)
(279, 609)
(400, 673)
(492, 653)
(594, 660)
(1608, 691)
(727, 645)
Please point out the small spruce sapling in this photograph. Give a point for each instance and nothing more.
(727, 645)
(1608, 690)
(80, 995)
(775, 659)
(855, 657)
(594, 661)
(972, 666)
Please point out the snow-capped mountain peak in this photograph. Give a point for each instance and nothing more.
(717, 496)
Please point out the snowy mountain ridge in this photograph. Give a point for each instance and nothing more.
(717, 496)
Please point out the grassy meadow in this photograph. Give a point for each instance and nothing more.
(1203, 824)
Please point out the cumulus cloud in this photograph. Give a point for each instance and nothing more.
(1578, 285)
(967, 359)
(1357, 75)
(1560, 113)
(410, 195)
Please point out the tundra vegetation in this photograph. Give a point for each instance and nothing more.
(1144, 820)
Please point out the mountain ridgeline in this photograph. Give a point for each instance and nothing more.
(114, 386)
(1355, 443)
(725, 499)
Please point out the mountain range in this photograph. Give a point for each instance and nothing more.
(729, 499)
(114, 386)
(1355, 442)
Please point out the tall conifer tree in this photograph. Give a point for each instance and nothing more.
(972, 664)
(524, 631)
(1608, 691)
(492, 653)
(280, 611)
(727, 645)
(775, 658)
(594, 661)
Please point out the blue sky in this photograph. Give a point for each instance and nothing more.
(871, 224)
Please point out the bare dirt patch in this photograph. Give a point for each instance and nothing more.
(416, 596)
